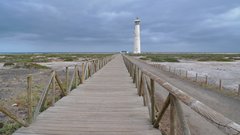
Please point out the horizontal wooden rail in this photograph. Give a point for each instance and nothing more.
(12, 116)
(224, 124)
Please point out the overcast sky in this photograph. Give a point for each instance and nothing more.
(107, 25)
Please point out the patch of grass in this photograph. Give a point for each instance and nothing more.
(197, 57)
(164, 59)
(26, 58)
(9, 127)
(68, 58)
(30, 66)
(220, 59)
(144, 58)
(15, 58)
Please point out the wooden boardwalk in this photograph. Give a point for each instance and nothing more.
(106, 104)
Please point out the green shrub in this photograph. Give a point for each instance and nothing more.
(144, 58)
(156, 58)
(9, 127)
(30, 66)
(69, 58)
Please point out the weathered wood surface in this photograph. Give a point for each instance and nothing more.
(106, 104)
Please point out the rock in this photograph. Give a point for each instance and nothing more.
(14, 105)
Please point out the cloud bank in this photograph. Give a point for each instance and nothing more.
(107, 25)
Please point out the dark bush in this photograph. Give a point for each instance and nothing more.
(8, 64)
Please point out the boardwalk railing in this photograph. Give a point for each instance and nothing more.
(145, 83)
(87, 70)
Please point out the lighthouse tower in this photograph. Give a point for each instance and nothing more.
(137, 42)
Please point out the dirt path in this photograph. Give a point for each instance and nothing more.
(227, 106)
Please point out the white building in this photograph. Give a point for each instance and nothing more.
(137, 40)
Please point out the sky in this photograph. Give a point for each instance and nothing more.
(108, 25)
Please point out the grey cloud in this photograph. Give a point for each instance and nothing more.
(167, 25)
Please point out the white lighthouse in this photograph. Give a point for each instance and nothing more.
(137, 41)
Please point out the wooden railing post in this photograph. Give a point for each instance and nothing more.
(86, 71)
(135, 76)
(89, 70)
(180, 115)
(29, 98)
(152, 100)
(140, 84)
(53, 88)
(134, 73)
(173, 120)
(75, 76)
(132, 69)
(220, 84)
(142, 89)
(83, 72)
(98, 63)
(67, 78)
(95, 67)
(206, 80)
(147, 96)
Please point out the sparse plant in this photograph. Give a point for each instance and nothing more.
(30, 66)
(9, 127)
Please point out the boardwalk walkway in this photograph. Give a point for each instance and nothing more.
(106, 104)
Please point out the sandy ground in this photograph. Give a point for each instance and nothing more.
(13, 83)
(228, 72)
(60, 65)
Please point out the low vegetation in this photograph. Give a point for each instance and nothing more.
(25, 58)
(9, 127)
(197, 57)
(30, 66)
